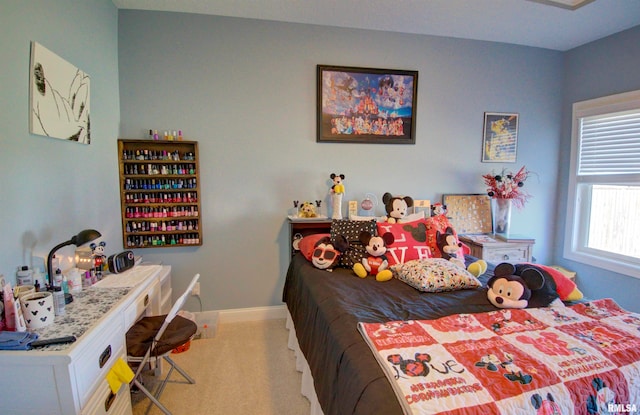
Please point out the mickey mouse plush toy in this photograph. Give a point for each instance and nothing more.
(375, 263)
(520, 286)
(338, 186)
(337, 192)
(397, 207)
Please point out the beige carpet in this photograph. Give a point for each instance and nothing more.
(246, 368)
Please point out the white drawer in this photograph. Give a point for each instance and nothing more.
(140, 305)
(511, 254)
(97, 357)
(104, 402)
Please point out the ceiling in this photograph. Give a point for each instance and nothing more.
(534, 23)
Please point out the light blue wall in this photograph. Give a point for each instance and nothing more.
(605, 67)
(50, 188)
(246, 90)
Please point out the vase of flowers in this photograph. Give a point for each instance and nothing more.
(506, 191)
(501, 216)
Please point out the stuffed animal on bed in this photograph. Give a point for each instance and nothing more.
(520, 286)
(567, 289)
(375, 262)
(450, 248)
(397, 207)
(326, 252)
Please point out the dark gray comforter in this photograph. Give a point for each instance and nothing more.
(326, 307)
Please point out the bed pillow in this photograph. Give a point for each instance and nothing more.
(308, 243)
(434, 275)
(410, 241)
(351, 230)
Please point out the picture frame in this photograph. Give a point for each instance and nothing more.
(59, 97)
(469, 214)
(366, 105)
(500, 137)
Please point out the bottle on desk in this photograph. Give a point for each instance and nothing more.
(58, 301)
(65, 284)
(58, 278)
(74, 281)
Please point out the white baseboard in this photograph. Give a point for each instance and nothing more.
(238, 315)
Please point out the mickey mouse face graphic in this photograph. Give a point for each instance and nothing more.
(324, 255)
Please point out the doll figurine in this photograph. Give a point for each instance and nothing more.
(337, 191)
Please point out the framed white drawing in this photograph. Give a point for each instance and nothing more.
(59, 97)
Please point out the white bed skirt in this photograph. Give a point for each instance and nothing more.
(307, 389)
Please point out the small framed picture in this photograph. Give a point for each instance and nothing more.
(365, 105)
(500, 137)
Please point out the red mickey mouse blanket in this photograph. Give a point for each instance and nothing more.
(583, 359)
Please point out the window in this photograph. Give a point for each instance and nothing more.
(603, 211)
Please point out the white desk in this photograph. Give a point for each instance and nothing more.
(70, 378)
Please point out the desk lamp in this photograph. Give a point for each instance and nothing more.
(81, 238)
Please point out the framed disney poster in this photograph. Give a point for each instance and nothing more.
(500, 137)
(365, 105)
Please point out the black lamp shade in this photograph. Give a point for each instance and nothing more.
(85, 236)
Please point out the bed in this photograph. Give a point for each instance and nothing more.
(344, 374)
(325, 309)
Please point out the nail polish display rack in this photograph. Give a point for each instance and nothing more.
(159, 193)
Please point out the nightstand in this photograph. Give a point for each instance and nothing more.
(299, 228)
(496, 250)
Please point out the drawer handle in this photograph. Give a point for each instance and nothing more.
(104, 357)
(146, 300)
(505, 257)
(109, 401)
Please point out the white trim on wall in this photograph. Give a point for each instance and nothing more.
(238, 315)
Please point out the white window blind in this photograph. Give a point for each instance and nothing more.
(602, 222)
(610, 144)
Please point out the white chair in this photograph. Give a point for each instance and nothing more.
(153, 338)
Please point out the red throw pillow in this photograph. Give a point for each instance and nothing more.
(308, 244)
(410, 241)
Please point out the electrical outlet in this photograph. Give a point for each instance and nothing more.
(196, 289)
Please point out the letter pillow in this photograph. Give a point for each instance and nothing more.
(410, 241)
